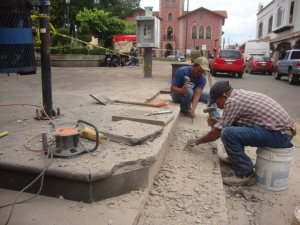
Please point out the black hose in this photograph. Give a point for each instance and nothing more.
(97, 134)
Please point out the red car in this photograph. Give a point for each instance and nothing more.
(227, 61)
(262, 64)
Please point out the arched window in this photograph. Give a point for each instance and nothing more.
(208, 32)
(170, 16)
(170, 33)
(279, 17)
(201, 15)
(174, 3)
(167, 3)
(291, 12)
(260, 28)
(201, 32)
(270, 25)
(194, 32)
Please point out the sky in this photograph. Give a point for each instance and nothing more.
(240, 25)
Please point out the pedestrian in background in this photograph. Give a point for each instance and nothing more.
(134, 54)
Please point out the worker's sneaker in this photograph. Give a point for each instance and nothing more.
(225, 160)
(240, 180)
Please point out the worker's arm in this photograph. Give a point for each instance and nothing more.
(195, 101)
(212, 135)
(177, 90)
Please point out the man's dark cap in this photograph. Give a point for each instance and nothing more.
(218, 88)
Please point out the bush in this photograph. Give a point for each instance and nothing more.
(85, 38)
(84, 29)
(79, 51)
(56, 39)
(97, 51)
(67, 50)
(55, 51)
(37, 49)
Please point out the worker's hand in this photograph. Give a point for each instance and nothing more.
(192, 113)
(191, 142)
(184, 90)
(211, 121)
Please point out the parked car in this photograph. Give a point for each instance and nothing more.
(262, 64)
(227, 61)
(171, 57)
(289, 65)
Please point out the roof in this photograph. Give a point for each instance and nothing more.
(125, 37)
(220, 13)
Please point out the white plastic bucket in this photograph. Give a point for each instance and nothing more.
(272, 167)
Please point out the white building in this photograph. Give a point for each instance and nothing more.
(277, 22)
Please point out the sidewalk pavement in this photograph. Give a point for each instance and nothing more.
(131, 166)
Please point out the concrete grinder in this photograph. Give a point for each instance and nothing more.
(67, 142)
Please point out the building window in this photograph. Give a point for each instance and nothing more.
(170, 33)
(141, 14)
(270, 24)
(260, 28)
(291, 12)
(208, 32)
(279, 17)
(201, 32)
(194, 32)
(170, 17)
(174, 3)
(167, 3)
(201, 15)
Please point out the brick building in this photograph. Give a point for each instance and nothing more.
(204, 28)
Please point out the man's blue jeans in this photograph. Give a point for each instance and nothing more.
(235, 138)
(186, 101)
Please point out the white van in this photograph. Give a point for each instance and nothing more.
(256, 47)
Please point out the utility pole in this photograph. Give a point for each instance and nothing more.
(45, 58)
(186, 25)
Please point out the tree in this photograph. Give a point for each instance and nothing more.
(130, 28)
(58, 12)
(119, 8)
(102, 25)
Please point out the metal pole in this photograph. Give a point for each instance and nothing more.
(68, 14)
(186, 26)
(45, 57)
(148, 62)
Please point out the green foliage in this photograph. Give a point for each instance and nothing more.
(84, 33)
(119, 8)
(37, 49)
(97, 51)
(58, 9)
(85, 38)
(102, 24)
(55, 51)
(59, 40)
(79, 51)
(130, 28)
(67, 50)
(84, 29)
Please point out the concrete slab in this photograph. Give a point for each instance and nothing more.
(131, 132)
(138, 116)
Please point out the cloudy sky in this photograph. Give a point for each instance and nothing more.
(240, 25)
